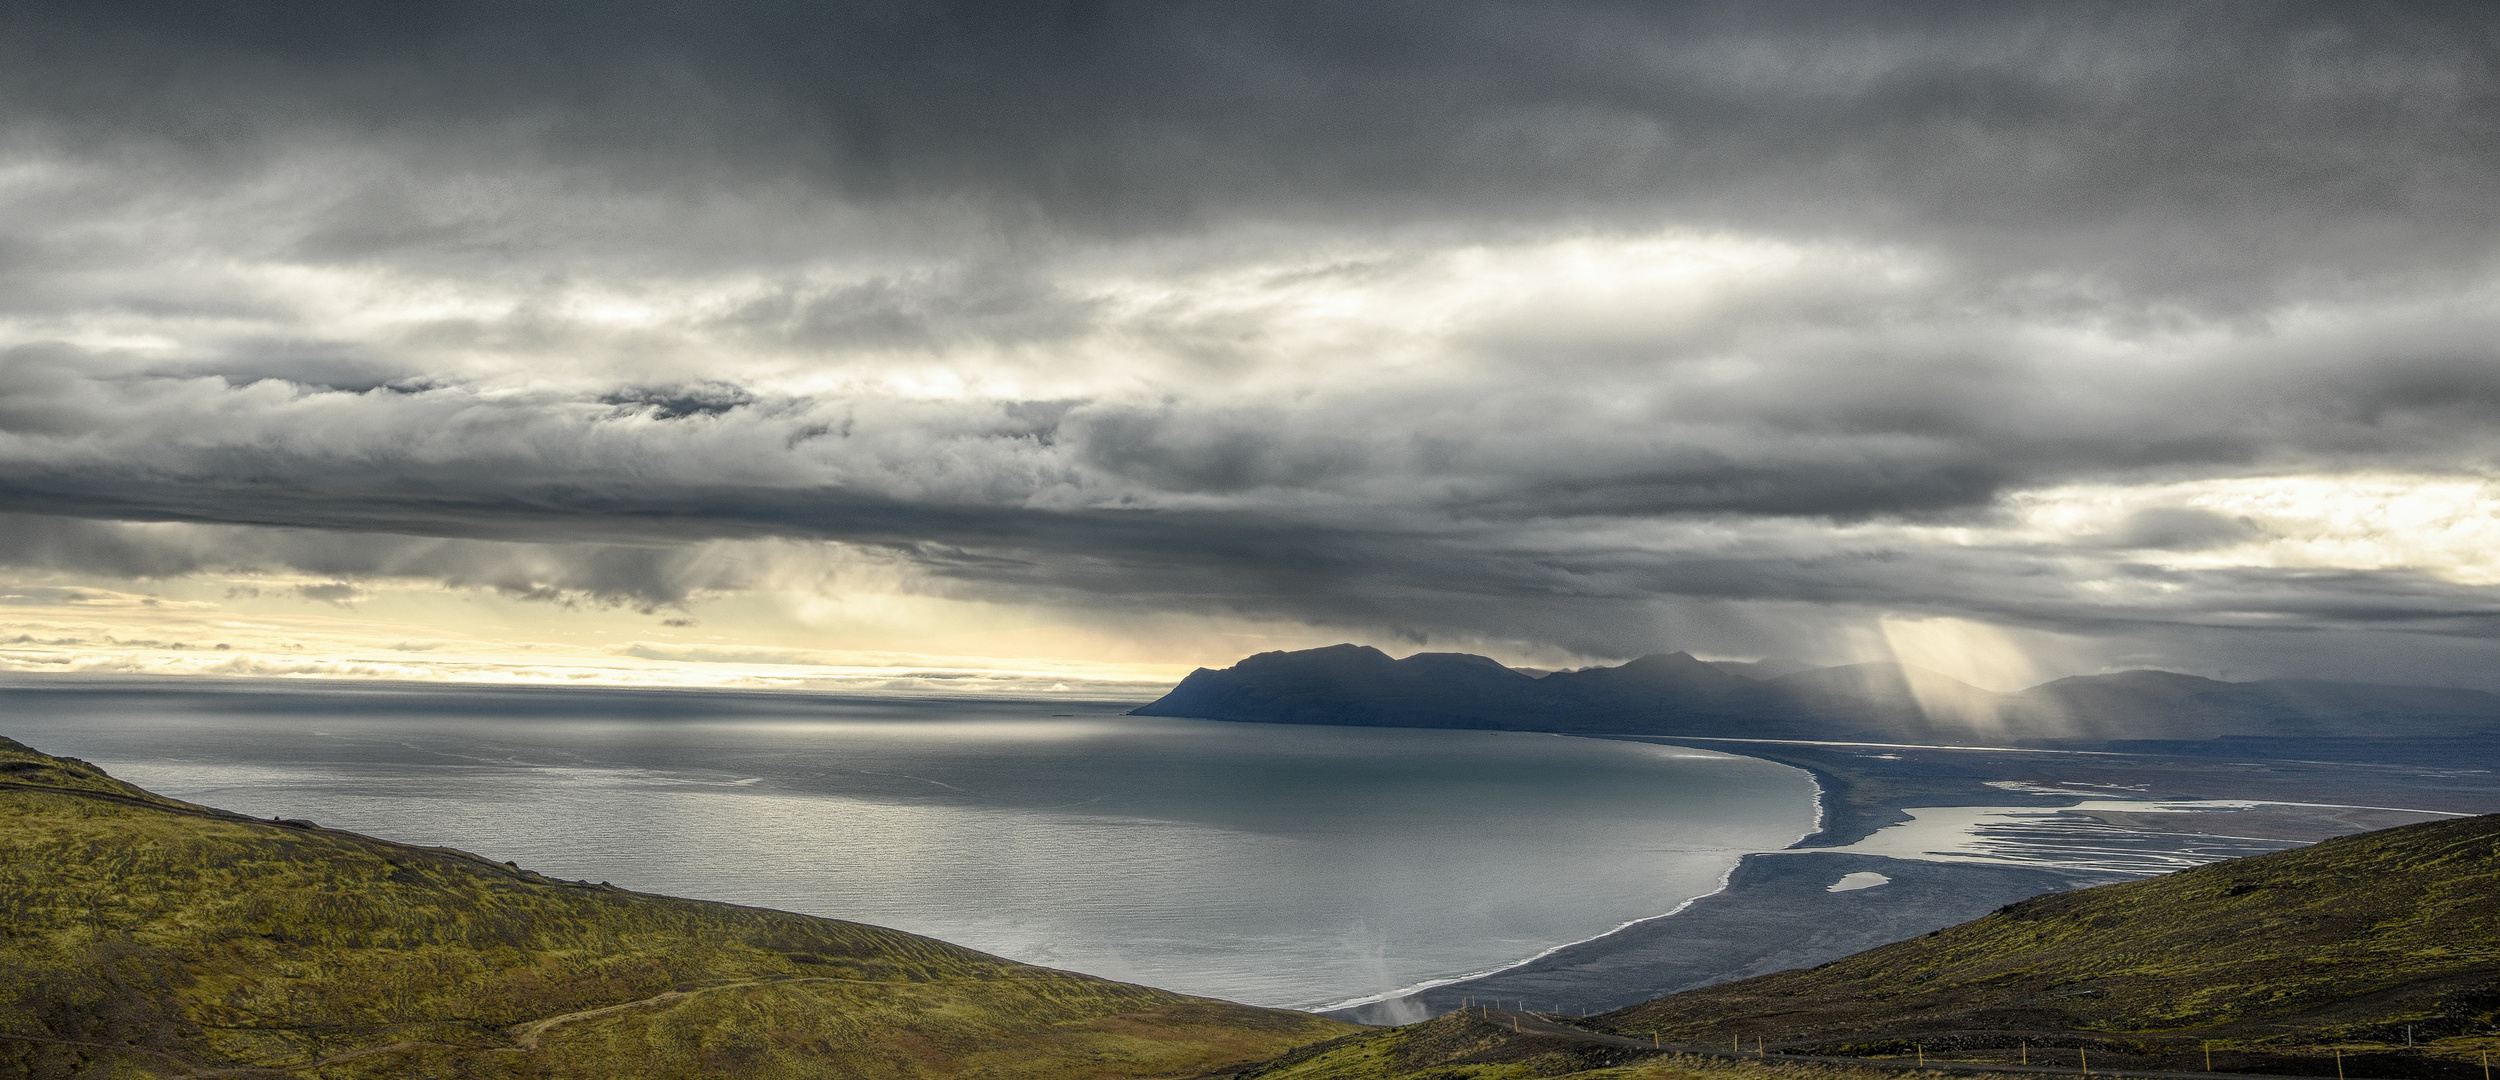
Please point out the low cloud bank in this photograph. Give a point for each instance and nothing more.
(2141, 335)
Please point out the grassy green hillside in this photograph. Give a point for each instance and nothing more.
(2308, 962)
(2340, 945)
(1501, 1045)
(1464, 1045)
(147, 937)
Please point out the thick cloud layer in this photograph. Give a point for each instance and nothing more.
(1601, 328)
(2166, 142)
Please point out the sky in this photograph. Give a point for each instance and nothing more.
(1047, 347)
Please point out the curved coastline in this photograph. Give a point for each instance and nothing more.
(1816, 781)
(1777, 912)
(1768, 914)
(1453, 980)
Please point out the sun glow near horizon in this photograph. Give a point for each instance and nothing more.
(817, 615)
(673, 362)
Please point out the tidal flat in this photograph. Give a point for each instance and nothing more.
(1957, 832)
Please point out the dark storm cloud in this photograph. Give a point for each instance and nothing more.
(2168, 141)
(1845, 438)
(2033, 244)
(988, 303)
(644, 576)
(1193, 505)
(1396, 567)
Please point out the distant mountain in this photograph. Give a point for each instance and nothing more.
(1664, 677)
(1769, 668)
(1890, 700)
(1356, 684)
(2163, 705)
(1674, 694)
(149, 937)
(2368, 941)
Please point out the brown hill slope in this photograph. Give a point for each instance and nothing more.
(149, 937)
(2345, 943)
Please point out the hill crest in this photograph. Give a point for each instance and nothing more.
(2373, 938)
(1674, 694)
(152, 937)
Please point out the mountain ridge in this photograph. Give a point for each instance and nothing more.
(1672, 694)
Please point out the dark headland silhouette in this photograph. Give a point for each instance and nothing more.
(1674, 694)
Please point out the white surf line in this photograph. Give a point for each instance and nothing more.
(1997, 749)
(2254, 803)
(1811, 781)
(1821, 813)
(1724, 878)
(1878, 745)
(1430, 984)
(2079, 797)
(1819, 809)
(2157, 805)
(2068, 838)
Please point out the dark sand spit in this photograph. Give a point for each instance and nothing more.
(1777, 911)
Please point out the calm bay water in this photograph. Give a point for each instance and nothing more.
(1273, 864)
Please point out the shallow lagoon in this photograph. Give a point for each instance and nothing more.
(1273, 864)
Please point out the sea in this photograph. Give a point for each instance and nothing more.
(1284, 865)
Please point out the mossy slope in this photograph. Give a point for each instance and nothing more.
(2345, 943)
(150, 937)
(1469, 1045)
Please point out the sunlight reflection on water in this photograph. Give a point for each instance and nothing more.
(1275, 864)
